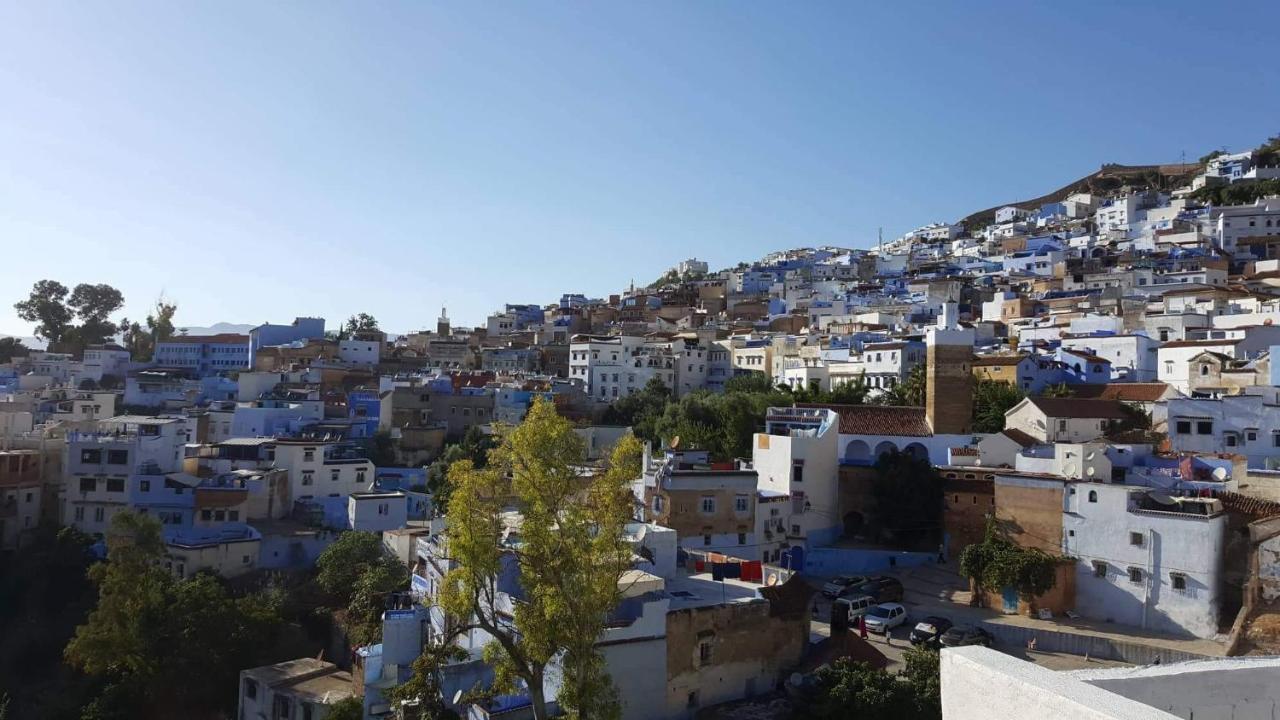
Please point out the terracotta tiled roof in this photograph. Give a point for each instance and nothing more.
(1080, 408)
(879, 420)
(1020, 437)
(1125, 392)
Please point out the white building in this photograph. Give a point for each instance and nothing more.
(363, 353)
(980, 683)
(1072, 420)
(1247, 425)
(1235, 222)
(796, 456)
(1145, 559)
(1132, 357)
(301, 689)
(377, 511)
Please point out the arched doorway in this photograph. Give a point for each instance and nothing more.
(858, 452)
(884, 448)
(917, 451)
(853, 524)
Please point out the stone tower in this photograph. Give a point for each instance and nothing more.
(442, 324)
(949, 395)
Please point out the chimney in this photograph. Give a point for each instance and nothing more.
(949, 373)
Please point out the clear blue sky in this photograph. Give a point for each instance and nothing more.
(256, 161)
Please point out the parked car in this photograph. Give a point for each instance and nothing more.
(883, 589)
(929, 630)
(837, 586)
(885, 617)
(854, 606)
(962, 635)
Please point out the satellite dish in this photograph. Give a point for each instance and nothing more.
(457, 697)
(1162, 498)
(1219, 473)
(1090, 471)
(1069, 469)
(1091, 455)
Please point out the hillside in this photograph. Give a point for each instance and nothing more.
(1107, 179)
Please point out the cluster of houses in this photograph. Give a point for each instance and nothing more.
(1139, 327)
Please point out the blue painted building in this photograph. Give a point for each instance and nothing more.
(268, 334)
(364, 410)
(204, 355)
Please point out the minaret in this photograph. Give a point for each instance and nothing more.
(442, 323)
(949, 395)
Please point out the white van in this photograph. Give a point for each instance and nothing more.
(857, 605)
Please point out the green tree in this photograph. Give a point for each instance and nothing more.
(93, 304)
(997, 563)
(851, 689)
(363, 617)
(141, 343)
(991, 400)
(910, 392)
(421, 696)
(923, 675)
(363, 322)
(750, 382)
(151, 633)
(342, 564)
(12, 347)
(475, 446)
(348, 708)
(382, 449)
(1061, 390)
(641, 410)
(46, 306)
(571, 556)
(908, 495)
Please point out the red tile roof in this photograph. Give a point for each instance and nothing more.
(1080, 408)
(985, 360)
(879, 419)
(1125, 392)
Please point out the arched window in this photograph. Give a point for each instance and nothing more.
(1093, 496)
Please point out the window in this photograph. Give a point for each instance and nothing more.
(334, 474)
(742, 538)
(91, 456)
(1178, 580)
(1183, 427)
(1136, 539)
(658, 503)
(704, 652)
(206, 514)
(250, 688)
(79, 513)
(308, 454)
(797, 471)
(1204, 369)
(1135, 575)
(693, 699)
(1093, 496)
(1229, 439)
(117, 457)
(708, 505)
(1204, 427)
(88, 485)
(1251, 435)
(308, 477)
(115, 485)
(1099, 569)
(706, 539)
(99, 514)
(220, 515)
(360, 476)
(741, 503)
(144, 485)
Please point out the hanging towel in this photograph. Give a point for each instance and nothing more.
(699, 566)
(718, 570)
(732, 570)
(752, 571)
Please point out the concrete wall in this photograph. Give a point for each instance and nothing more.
(827, 561)
(750, 651)
(1029, 510)
(979, 684)
(1235, 688)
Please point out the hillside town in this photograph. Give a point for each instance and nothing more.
(1045, 437)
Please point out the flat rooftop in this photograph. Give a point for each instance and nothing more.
(699, 590)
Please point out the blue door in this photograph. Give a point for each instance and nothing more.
(796, 558)
(1010, 600)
